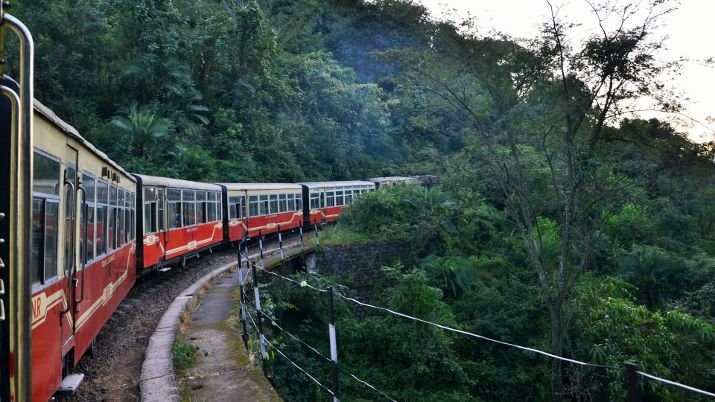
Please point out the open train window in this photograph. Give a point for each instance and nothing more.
(253, 203)
(330, 198)
(282, 204)
(87, 220)
(201, 210)
(274, 204)
(173, 208)
(101, 225)
(298, 202)
(263, 210)
(45, 218)
(121, 215)
(188, 200)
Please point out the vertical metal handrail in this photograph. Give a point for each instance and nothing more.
(21, 215)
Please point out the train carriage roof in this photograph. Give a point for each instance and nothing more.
(393, 179)
(72, 132)
(260, 186)
(328, 184)
(176, 183)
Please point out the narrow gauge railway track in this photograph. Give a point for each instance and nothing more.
(112, 370)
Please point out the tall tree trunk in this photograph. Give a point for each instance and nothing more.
(557, 385)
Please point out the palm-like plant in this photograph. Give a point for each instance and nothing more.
(142, 126)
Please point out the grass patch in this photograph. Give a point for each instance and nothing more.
(183, 354)
(337, 234)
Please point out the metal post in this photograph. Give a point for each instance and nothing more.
(259, 317)
(260, 245)
(280, 243)
(302, 245)
(633, 385)
(244, 334)
(333, 345)
(317, 237)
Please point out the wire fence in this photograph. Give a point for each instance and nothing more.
(632, 374)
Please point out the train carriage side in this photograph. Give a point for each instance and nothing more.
(177, 220)
(255, 209)
(324, 201)
(82, 250)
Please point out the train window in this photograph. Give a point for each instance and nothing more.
(149, 194)
(36, 255)
(112, 195)
(52, 209)
(290, 202)
(242, 208)
(111, 225)
(173, 212)
(282, 206)
(314, 200)
(102, 192)
(263, 205)
(132, 221)
(173, 208)
(121, 229)
(330, 198)
(233, 207)
(298, 202)
(253, 205)
(202, 212)
(87, 220)
(348, 197)
(274, 203)
(189, 207)
(160, 207)
(339, 200)
(46, 175)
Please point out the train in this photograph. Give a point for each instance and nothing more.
(77, 231)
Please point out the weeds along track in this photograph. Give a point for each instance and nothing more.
(112, 370)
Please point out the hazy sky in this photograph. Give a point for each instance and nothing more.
(690, 31)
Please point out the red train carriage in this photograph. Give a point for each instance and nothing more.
(323, 201)
(83, 258)
(254, 209)
(179, 219)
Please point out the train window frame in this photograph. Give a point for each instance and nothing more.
(102, 208)
(254, 205)
(273, 204)
(174, 205)
(339, 197)
(290, 202)
(315, 200)
(263, 203)
(298, 202)
(121, 229)
(348, 196)
(51, 158)
(90, 198)
(45, 198)
(330, 198)
(188, 200)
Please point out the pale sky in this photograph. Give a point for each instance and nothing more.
(690, 32)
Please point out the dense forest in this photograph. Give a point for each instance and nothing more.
(561, 222)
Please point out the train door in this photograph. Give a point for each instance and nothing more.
(70, 249)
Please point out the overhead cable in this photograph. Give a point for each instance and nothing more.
(677, 384)
(459, 331)
(299, 368)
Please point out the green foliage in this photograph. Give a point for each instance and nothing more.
(271, 91)
(183, 355)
